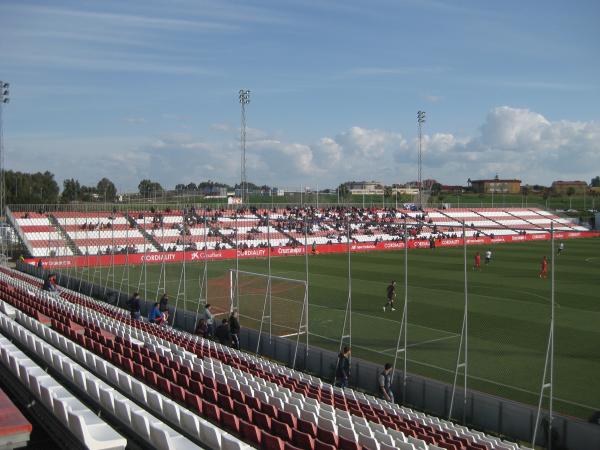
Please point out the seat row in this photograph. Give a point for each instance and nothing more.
(425, 427)
(84, 424)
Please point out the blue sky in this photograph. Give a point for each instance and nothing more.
(148, 89)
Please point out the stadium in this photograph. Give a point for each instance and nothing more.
(361, 315)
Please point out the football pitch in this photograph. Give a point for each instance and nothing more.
(509, 311)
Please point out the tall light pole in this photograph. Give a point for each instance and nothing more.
(420, 122)
(244, 96)
(3, 100)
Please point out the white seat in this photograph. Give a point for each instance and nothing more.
(368, 441)
(230, 443)
(347, 433)
(404, 445)
(309, 416)
(141, 425)
(209, 435)
(95, 433)
(362, 429)
(383, 438)
(190, 423)
(418, 443)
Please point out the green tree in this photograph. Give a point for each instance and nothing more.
(595, 181)
(106, 190)
(71, 191)
(436, 188)
(147, 188)
(343, 190)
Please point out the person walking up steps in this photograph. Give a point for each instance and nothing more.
(391, 296)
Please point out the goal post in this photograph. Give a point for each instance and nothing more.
(273, 305)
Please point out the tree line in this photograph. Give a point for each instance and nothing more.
(41, 187)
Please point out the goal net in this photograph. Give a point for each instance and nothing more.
(274, 305)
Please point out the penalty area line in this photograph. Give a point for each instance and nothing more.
(292, 334)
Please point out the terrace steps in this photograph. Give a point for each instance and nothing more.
(144, 233)
(70, 243)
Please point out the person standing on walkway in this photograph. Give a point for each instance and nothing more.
(385, 383)
(342, 374)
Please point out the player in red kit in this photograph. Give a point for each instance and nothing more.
(544, 270)
(477, 264)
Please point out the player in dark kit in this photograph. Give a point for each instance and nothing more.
(391, 295)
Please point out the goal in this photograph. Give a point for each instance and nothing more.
(273, 305)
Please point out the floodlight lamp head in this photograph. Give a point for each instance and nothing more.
(5, 85)
(5, 100)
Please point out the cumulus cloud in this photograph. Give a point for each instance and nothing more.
(512, 142)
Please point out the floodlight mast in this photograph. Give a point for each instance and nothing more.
(420, 122)
(244, 97)
(4, 98)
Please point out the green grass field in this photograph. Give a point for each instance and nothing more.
(508, 312)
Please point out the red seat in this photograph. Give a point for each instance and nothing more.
(237, 395)
(281, 429)
(210, 395)
(328, 437)
(242, 411)
(212, 411)
(270, 442)
(183, 380)
(194, 402)
(230, 422)
(270, 410)
(320, 445)
(150, 378)
(138, 371)
(347, 444)
(307, 427)
(178, 393)
(303, 440)
(253, 403)
(196, 387)
(261, 420)
(164, 385)
(250, 432)
(225, 402)
(290, 446)
(287, 417)
(223, 389)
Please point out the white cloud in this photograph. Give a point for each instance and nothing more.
(512, 142)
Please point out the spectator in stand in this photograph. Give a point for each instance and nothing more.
(201, 329)
(222, 333)
(342, 372)
(163, 303)
(155, 315)
(134, 306)
(209, 318)
(234, 328)
(40, 264)
(50, 283)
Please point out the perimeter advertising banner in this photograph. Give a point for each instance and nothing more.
(201, 255)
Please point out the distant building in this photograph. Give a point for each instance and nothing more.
(427, 184)
(496, 186)
(452, 189)
(405, 190)
(562, 187)
(214, 191)
(365, 188)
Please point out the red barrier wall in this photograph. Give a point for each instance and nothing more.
(200, 255)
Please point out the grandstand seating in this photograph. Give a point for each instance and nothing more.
(68, 233)
(176, 390)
